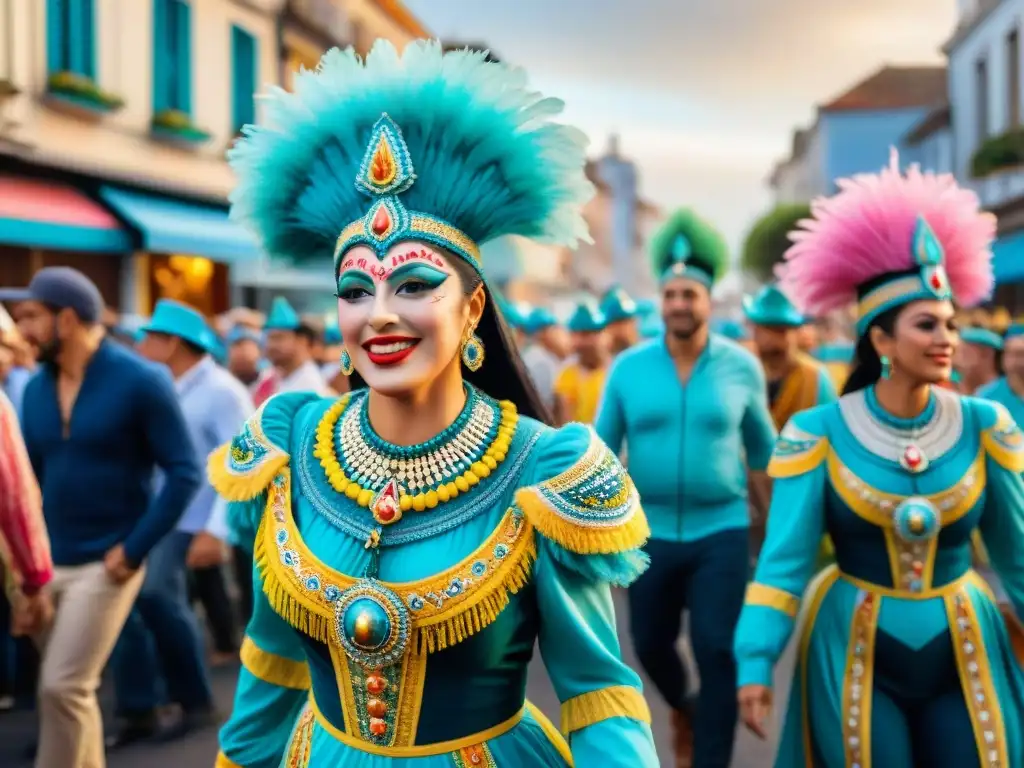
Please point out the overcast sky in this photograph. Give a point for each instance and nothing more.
(704, 93)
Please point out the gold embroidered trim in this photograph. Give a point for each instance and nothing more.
(877, 506)
(772, 597)
(1004, 441)
(444, 609)
(274, 669)
(475, 756)
(796, 452)
(242, 469)
(604, 704)
(975, 672)
(223, 761)
(300, 746)
(858, 682)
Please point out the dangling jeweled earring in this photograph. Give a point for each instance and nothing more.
(473, 352)
(886, 367)
(346, 363)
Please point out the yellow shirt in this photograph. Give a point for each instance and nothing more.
(580, 389)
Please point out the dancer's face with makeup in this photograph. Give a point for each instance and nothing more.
(404, 317)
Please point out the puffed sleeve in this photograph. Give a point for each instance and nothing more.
(1002, 522)
(274, 681)
(790, 553)
(587, 518)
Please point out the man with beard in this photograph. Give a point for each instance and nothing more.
(977, 359)
(622, 315)
(795, 381)
(579, 385)
(289, 344)
(691, 408)
(98, 420)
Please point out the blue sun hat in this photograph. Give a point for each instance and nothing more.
(730, 329)
(587, 318)
(982, 337)
(176, 319)
(771, 307)
(618, 306)
(282, 317)
(243, 333)
(688, 246)
(539, 319)
(444, 148)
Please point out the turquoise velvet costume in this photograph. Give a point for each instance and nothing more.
(903, 653)
(525, 552)
(999, 391)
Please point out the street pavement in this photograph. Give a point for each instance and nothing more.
(17, 730)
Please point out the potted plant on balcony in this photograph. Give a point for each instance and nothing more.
(999, 154)
(81, 94)
(176, 126)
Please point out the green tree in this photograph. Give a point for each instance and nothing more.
(768, 239)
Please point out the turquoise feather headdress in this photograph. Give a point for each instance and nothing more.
(687, 246)
(446, 148)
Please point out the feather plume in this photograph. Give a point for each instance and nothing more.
(708, 248)
(866, 230)
(488, 159)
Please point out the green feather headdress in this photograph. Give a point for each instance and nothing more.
(445, 148)
(687, 246)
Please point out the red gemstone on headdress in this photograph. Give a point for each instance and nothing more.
(381, 221)
(936, 281)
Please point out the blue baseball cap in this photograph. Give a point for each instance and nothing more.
(176, 319)
(63, 288)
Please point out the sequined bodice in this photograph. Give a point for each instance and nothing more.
(898, 524)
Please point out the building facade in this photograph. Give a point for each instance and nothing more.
(853, 132)
(113, 141)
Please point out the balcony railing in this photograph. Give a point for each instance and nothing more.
(1000, 187)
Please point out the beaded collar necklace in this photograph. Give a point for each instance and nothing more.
(391, 479)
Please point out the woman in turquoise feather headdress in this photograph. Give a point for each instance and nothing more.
(416, 537)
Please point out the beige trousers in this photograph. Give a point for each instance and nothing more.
(91, 611)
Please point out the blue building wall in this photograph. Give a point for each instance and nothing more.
(859, 142)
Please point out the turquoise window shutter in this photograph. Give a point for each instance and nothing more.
(243, 69)
(183, 57)
(161, 66)
(56, 18)
(71, 36)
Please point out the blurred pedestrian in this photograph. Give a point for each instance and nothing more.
(98, 419)
(289, 348)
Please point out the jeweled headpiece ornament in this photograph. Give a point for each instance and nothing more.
(444, 148)
(687, 246)
(887, 239)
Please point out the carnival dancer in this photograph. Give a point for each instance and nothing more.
(289, 348)
(691, 408)
(416, 537)
(795, 381)
(623, 317)
(544, 351)
(580, 382)
(904, 659)
(978, 359)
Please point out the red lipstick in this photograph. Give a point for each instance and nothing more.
(398, 348)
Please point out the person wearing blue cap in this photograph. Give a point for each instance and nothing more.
(544, 352)
(622, 315)
(289, 348)
(795, 381)
(978, 359)
(98, 420)
(579, 384)
(161, 647)
(1008, 389)
(691, 408)
(245, 355)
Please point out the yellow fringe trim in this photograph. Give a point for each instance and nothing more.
(580, 539)
(772, 597)
(235, 487)
(434, 627)
(274, 669)
(604, 704)
(223, 761)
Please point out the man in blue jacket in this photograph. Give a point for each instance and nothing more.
(692, 409)
(97, 421)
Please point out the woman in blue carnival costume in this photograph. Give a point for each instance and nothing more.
(904, 658)
(414, 538)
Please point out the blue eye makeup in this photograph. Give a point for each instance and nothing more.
(354, 284)
(417, 276)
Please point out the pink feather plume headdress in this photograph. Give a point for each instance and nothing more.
(868, 229)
